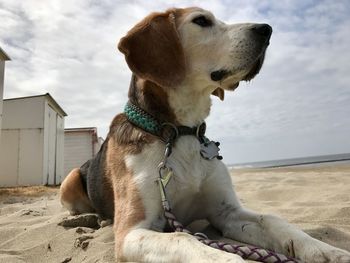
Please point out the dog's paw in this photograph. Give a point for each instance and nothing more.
(315, 251)
(332, 255)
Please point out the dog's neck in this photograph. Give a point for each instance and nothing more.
(191, 107)
(181, 105)
(151, 98)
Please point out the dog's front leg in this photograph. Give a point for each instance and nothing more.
(274, 233)
(265, 231)
(142, 245)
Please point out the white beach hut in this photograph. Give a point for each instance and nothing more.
(32, 141)
(80, 145)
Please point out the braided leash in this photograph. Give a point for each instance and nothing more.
(246, 252)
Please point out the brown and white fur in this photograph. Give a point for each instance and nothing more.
(172, 57)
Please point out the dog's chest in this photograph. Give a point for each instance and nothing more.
(190, 173)
(184, 188)
(187, 164)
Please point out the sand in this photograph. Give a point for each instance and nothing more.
(315, 199)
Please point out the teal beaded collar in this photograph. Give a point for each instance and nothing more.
(166, 131)
(141, 118)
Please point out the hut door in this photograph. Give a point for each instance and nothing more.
(51, 175)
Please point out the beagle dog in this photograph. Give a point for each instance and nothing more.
(178, 59)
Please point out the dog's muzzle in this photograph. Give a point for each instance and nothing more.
(263, 32)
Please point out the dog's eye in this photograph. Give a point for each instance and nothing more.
(202, 21)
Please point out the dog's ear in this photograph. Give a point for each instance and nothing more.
(219, 92)
(153, 50)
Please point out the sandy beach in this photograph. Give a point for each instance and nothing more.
(317, 199)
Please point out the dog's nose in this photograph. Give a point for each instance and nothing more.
(263, 30)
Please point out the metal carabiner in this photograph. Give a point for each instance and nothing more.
(165, 174)
(163, 181)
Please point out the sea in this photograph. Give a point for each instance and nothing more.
(333, 159)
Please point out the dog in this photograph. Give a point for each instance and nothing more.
(178, 59)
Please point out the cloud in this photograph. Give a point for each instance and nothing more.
(301, 97)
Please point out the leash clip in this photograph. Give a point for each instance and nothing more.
(165, 174)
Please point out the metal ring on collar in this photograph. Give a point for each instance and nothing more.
(174, 128)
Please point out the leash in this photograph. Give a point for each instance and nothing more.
(246, 252)
(168, 133)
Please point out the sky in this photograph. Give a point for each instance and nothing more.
(299, 104)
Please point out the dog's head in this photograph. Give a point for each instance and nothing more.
(191, 46)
